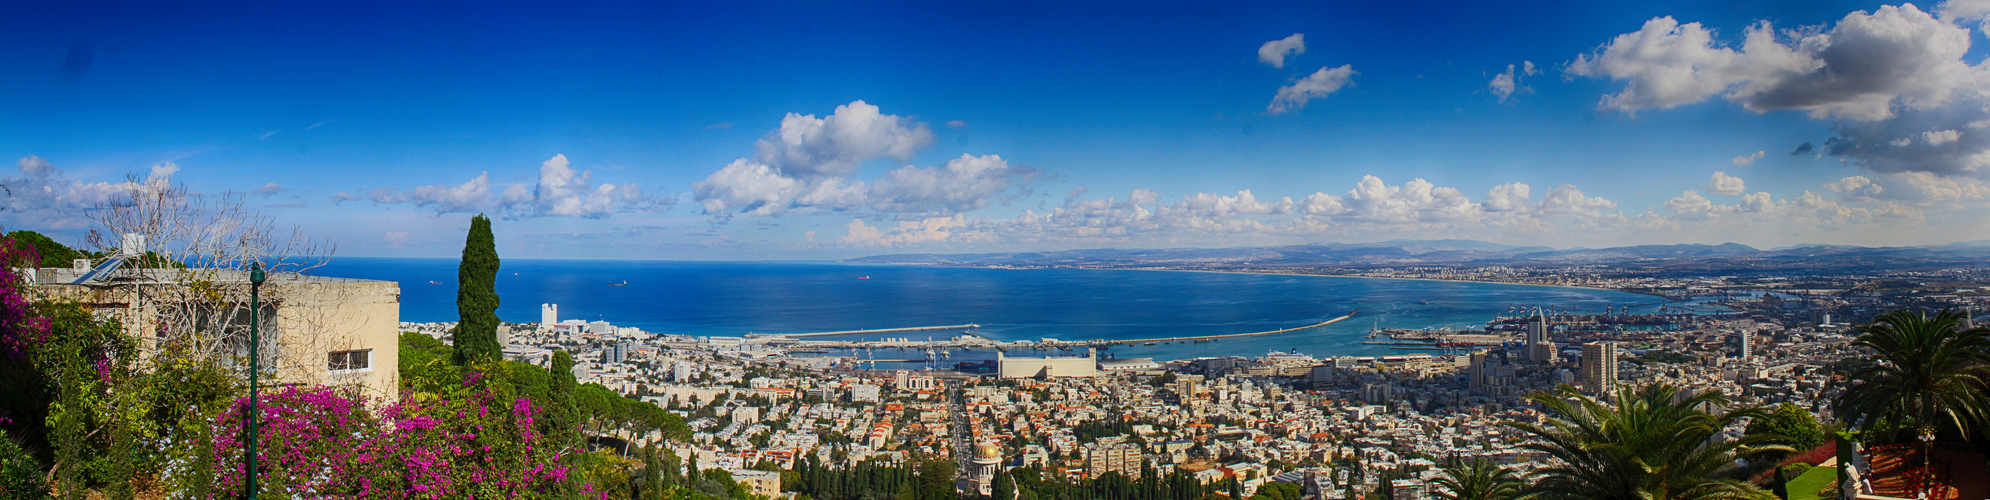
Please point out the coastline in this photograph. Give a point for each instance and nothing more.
(1265, 273)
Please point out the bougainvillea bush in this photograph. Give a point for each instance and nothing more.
(320, 442)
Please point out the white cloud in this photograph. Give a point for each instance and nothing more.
(1960, 11)
(956, 124)
(44, 196)
(1274, 52)
(1371, 207)
(1321, 83)
(1749, 159)
(965, 183)
(469, 196)
(1927, 188)
(1508, 82)
(746, 187)
(1940, 137)
(343, 196)
(806, 146)
(1858, 70)
(1938, 140)
(559, 190)
(806, 165)
(1857, 188)
(563, 192)
(1721, 183)
(1506, 197)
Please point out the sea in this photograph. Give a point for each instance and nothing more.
(731, 299)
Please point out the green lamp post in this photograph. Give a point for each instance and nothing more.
(255, 370)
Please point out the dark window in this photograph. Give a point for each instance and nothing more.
(350, 360)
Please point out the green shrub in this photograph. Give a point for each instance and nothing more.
(20, 474)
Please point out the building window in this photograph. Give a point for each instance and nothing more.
(350, 361)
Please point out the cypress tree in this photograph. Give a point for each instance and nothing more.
(652, 474)
(562, 414)
(476, 296)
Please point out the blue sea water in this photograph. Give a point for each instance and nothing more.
(737, 298)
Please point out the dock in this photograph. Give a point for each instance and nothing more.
(863, 332)
(972, 342)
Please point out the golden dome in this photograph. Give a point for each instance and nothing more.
(988, 450)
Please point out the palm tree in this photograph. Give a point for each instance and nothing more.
(1926, 374)
(1479, 479)
(1652, 445)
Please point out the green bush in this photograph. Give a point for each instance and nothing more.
(20, 473)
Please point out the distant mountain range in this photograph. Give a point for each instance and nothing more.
(1726, 258)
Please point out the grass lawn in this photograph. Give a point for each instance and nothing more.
(1805, 486)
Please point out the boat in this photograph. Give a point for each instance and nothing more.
(1149, 343)
(623, 283)
(434, 282)
(863, 277)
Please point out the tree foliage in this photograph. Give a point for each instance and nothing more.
(1928, 374)
(48, 252)
(1651, 445)
(476, 296)
(1477, 479)
(1790, 425)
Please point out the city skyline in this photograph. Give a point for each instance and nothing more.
(807, 131)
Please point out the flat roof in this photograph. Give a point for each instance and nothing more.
(65, 275)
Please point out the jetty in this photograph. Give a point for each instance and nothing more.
(971, 341)
(864, 332)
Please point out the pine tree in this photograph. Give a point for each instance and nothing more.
(476, 296)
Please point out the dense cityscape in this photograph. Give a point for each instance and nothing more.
(1338, 427)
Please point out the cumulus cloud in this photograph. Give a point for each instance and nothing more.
(1939, 141)
(1746, 160)
(1961, 11)
(1940, 137)
(806, 167)
(965, 183)
(44, 195)
(1807, 214)
(806, 146)
(1924, 188)
(1321, 83)
(1274, 52)
(559, 190)
(1862, 69)
(343, 196)
(1857, 188)
(1721, 183)
(1508, 82)
(1371, 207)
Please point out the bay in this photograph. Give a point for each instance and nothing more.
(737, 298)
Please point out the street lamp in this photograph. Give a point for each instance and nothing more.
(255, 369)
(1927, 447)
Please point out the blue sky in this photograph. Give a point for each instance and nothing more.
(832, 129)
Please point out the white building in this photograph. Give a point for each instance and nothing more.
(549, 315)
(1065, 366)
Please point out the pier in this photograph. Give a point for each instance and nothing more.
(971, 341)
(863, 332)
